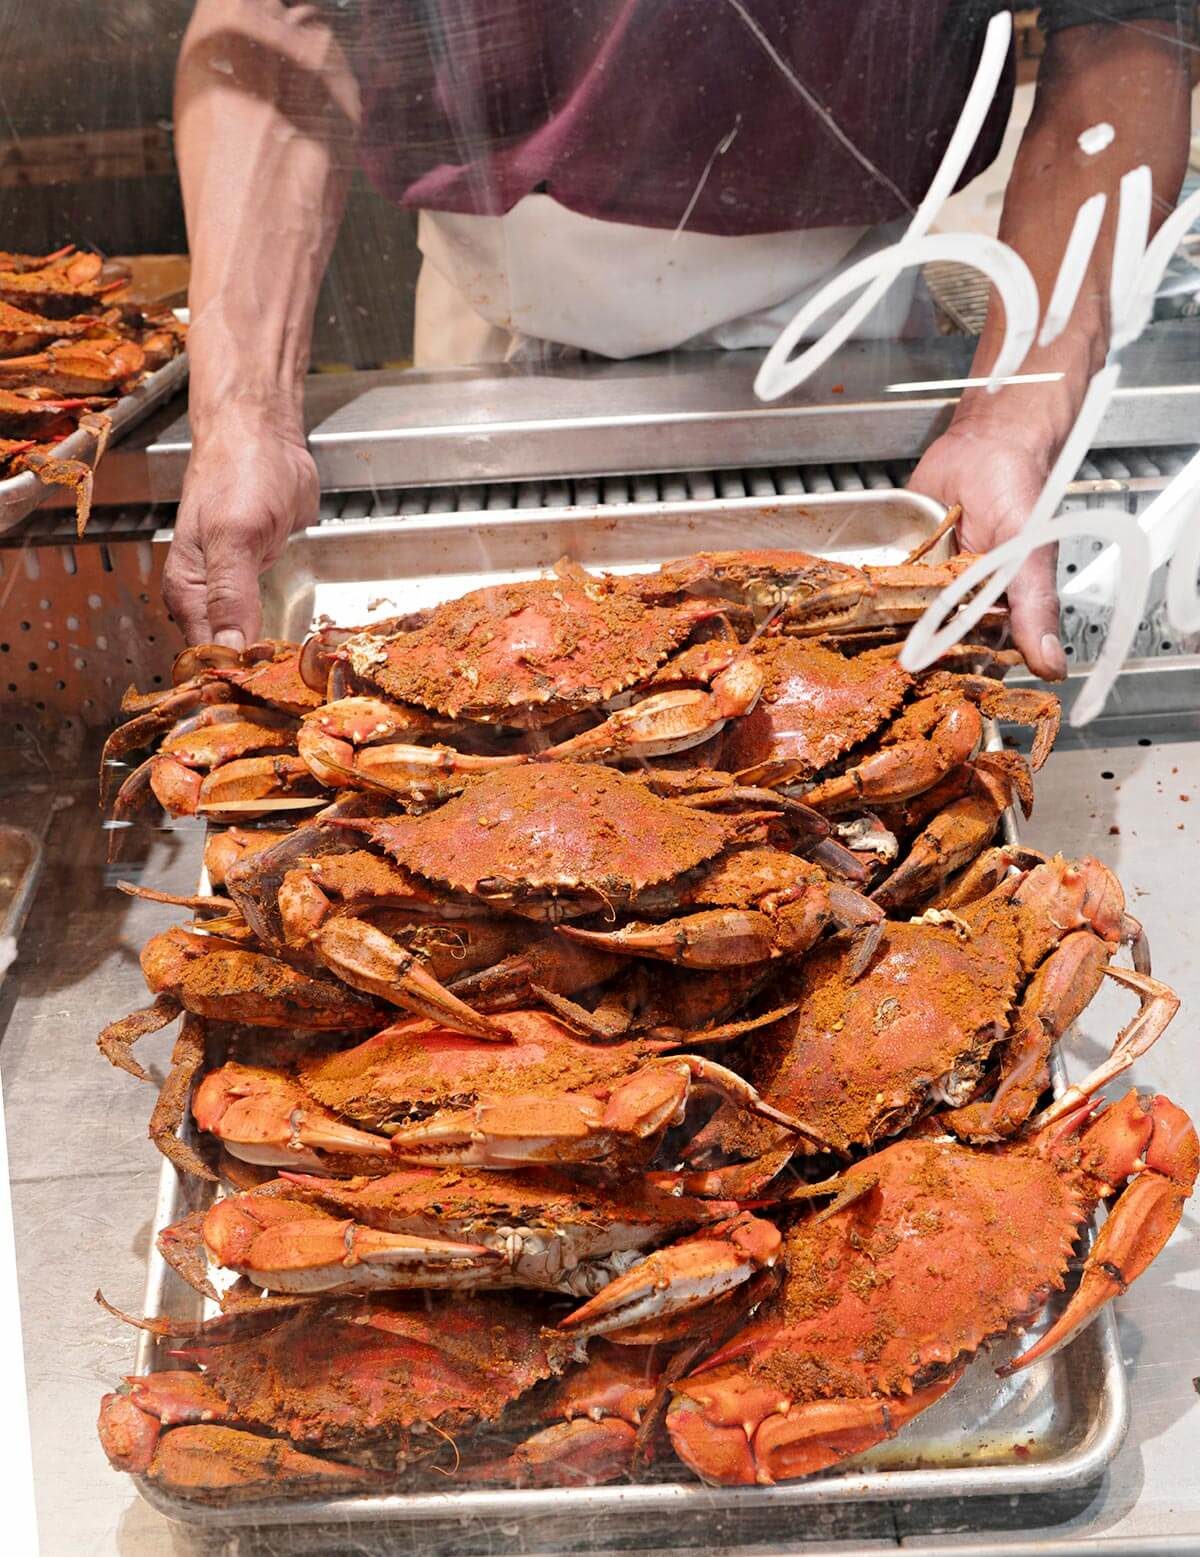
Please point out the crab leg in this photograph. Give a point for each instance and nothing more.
(1157, 1141)
(187, 1061)
(1063, 986)
(678, 1279)
(367, 959)
(578, 1126)
(1158, 1004)
(950, 519)
(118, 1037)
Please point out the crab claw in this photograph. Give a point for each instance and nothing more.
(289, 1246)
(734, 1429)
(333, 742)
(264, 1118)
(1156, 1140)
(118, 1038)
(365, 958)
(713, 938)
(675, 1280)
(208, 1459)
(669, 721)
(128, 1435)
(579, 1453)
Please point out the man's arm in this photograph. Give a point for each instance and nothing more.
(265, 113)
(995, 456)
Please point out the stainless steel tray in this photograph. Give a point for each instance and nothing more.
(20, 495)
(1053, 1427)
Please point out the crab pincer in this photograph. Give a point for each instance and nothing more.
(280, 1244)
(647, 1302)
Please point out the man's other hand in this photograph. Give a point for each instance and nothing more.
(997, 482)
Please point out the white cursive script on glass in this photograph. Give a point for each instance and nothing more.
(1137, 267)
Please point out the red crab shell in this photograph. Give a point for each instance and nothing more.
(816, 704)
(858, 1058)
(382, 1366)
(526, 654)
(554, 827)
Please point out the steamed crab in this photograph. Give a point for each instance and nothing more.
(540, 656)
(421, 1228)
(339, 1398)
(542, 843)
(103, 365)
(1003, 973)
(923, 737)
(930, 1249)
(563, 841)
(312, 894)
(64, 283)
(544, 1096)
(293, 891)
(407, 1389)
(819, 704)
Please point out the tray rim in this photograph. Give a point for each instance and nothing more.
(1083, 1463)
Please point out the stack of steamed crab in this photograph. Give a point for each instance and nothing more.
(618, 1030)
(71, 343)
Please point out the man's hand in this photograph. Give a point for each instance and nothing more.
(248, 486)
(997, 481)
(995, 456)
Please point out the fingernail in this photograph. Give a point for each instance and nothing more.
(230, 638)
(1053, 656)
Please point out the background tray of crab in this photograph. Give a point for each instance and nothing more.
(1049, 1428)
(21, 494)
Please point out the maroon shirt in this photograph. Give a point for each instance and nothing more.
(617, 107)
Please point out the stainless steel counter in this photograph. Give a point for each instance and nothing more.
(84, 1179)
(387, 429)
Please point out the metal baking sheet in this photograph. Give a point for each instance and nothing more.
(20, 495)
(1053, 1427)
